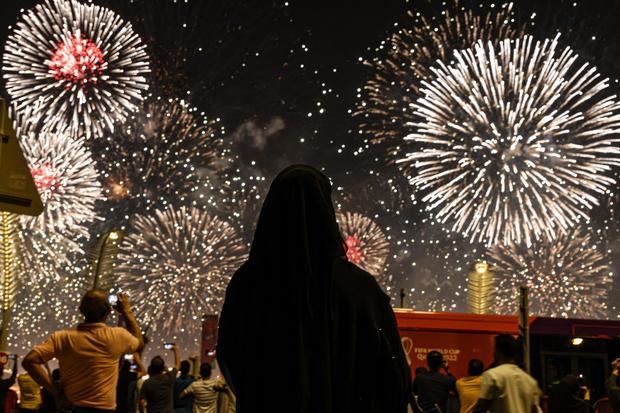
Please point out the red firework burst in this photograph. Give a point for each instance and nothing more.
(367, 246)
(44, 177)
(78, 61)
(354, 252)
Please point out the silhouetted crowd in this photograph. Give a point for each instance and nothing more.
(504, 387)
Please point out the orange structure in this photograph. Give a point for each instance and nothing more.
(460, 337)
(557, 347)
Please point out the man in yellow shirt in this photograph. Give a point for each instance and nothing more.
(468, 387)
(88, 355)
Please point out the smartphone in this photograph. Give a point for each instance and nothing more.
(168, 346)
(12, 356)
(113, 299)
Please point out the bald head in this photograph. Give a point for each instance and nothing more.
(95, 307)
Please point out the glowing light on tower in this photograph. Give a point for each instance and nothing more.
(367, 245)
(175, 265)
(513, 143)
(567, 277)
(80, 65)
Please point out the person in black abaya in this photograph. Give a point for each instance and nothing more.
(302, 330)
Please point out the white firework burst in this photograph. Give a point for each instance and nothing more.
(175, 266)
(367, 245)
(47, 299)
(66, 179)
(81, 65)
(383, 106)
(567, 277)
(166, 151)
(513, 143)
(51, 245)
(47, 288)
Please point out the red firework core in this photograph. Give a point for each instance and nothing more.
(354, 253)
(44, 177)
(77, 60)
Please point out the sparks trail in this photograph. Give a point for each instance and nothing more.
(50, 245)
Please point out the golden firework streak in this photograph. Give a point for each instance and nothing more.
(8, 256)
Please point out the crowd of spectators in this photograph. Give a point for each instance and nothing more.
(101, 370)
(504, 387)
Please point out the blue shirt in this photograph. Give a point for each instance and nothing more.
(182, 405)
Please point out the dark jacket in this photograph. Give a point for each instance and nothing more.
(613, 392)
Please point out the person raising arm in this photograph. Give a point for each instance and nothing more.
(88, 355)
(131, 324)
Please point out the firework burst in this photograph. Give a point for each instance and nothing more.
(80, 64)
(50, 245)
(166, 151)
(383, 108)
(66, 179)
(175, 266)
(513, 143)
(367, 245)
(47, 299)
(567, 277)
(49, 285)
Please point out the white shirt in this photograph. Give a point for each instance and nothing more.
(510, 389)
(205, 395)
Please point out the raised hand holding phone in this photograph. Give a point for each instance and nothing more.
(173, 346)
(113, 299)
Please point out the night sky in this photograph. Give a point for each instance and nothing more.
(283, 78)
